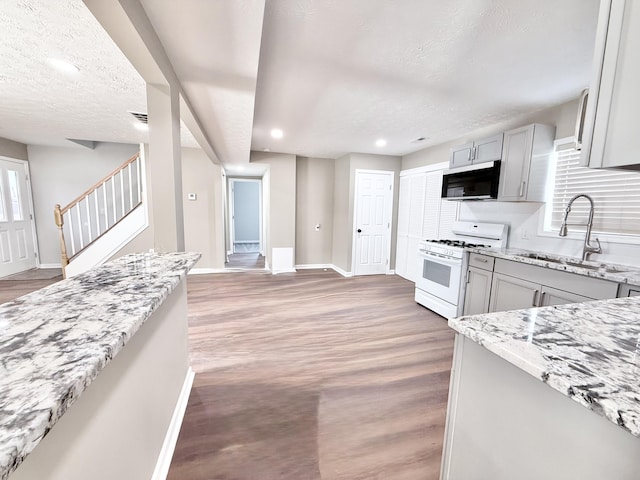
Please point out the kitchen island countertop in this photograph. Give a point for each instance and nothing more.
(54, 342)
(588, 351)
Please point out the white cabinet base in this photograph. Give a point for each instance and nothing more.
(504, 424)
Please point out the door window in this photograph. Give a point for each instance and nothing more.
(436, 272)
(14, 195)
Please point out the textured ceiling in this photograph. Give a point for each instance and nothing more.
(43, 106)
(214, 48)
(336, 75)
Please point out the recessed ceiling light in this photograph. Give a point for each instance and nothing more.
(63, 66)
(277, 133)
(381, 142)
(143, 127)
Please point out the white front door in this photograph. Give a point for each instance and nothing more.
(373, 210)
(17, 246)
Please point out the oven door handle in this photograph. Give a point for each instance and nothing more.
(440, 259)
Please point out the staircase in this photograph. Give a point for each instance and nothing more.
(103, 219)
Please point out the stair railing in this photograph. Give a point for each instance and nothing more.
(99, 209)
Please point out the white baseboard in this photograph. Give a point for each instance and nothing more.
(391, 272)
(49, 265)
(342, 272)
(171, 438)
(288, 270)
(314, 266)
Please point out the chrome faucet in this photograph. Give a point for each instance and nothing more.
(588, 249)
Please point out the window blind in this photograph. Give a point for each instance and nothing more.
(616, 195)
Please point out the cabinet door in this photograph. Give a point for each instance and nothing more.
(629, 291)
(552, 296)
(516, 160)
(461, 156)
(488, 149)
(476, 299)
(510, 293)
(613, 110)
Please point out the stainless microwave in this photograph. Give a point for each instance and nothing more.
(477, 182)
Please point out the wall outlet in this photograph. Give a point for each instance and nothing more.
(524, 234)
(192, 196)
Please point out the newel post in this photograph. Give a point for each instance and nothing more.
(57, 214)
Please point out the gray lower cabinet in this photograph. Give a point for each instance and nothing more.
(478, 291)
(629, 291)
(552, 296)
(511, 293)
(505, 288)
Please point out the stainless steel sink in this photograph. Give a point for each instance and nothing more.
(575, 263)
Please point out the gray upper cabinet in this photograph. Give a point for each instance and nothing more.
(461, 156)
(613, 107)
(525, 163)
(486, 150)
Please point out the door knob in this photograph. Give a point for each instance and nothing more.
(359, 230)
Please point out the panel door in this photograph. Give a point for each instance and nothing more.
(510, 293)
(476, 299)
(373, 207)
(17, 246)
(488, 149)
(516, 160)
(461, 156)
(552, 296)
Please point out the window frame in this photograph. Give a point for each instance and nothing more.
(544, 220)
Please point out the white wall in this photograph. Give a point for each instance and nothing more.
(59, 175)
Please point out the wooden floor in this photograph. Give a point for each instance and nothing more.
(245, 261)
(313, 376)
(12, 289)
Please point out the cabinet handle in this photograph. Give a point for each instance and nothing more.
(542, 297)
(522, 185)
(473, 155)
(582, 115)
(534, 302)
(469, 156)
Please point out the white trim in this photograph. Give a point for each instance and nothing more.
(292, 270)
(247, 241)
(391, 272)
(425, 169)
(355, 216)
(171, 438)
(314, 266)
(342, 272)
(50, 265)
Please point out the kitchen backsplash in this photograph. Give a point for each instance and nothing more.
(525, 220)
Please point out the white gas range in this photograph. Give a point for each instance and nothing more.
(443, 265)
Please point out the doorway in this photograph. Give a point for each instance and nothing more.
(245, 224)
(17, 229)
(373, 210)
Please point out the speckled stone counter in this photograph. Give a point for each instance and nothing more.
(615, 273)
(54, 342)
(589, 351)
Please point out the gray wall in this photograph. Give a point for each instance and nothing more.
(60, 174)
(279, 197)
(246, 210)
(11, 149)
(344, 192)
(342, 236)
(314, 205)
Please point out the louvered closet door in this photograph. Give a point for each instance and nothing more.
(417, 193)
(431, 212)
(404, 203)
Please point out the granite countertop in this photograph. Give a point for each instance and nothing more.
(54, 342)
(615, 273)
(588, 351)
